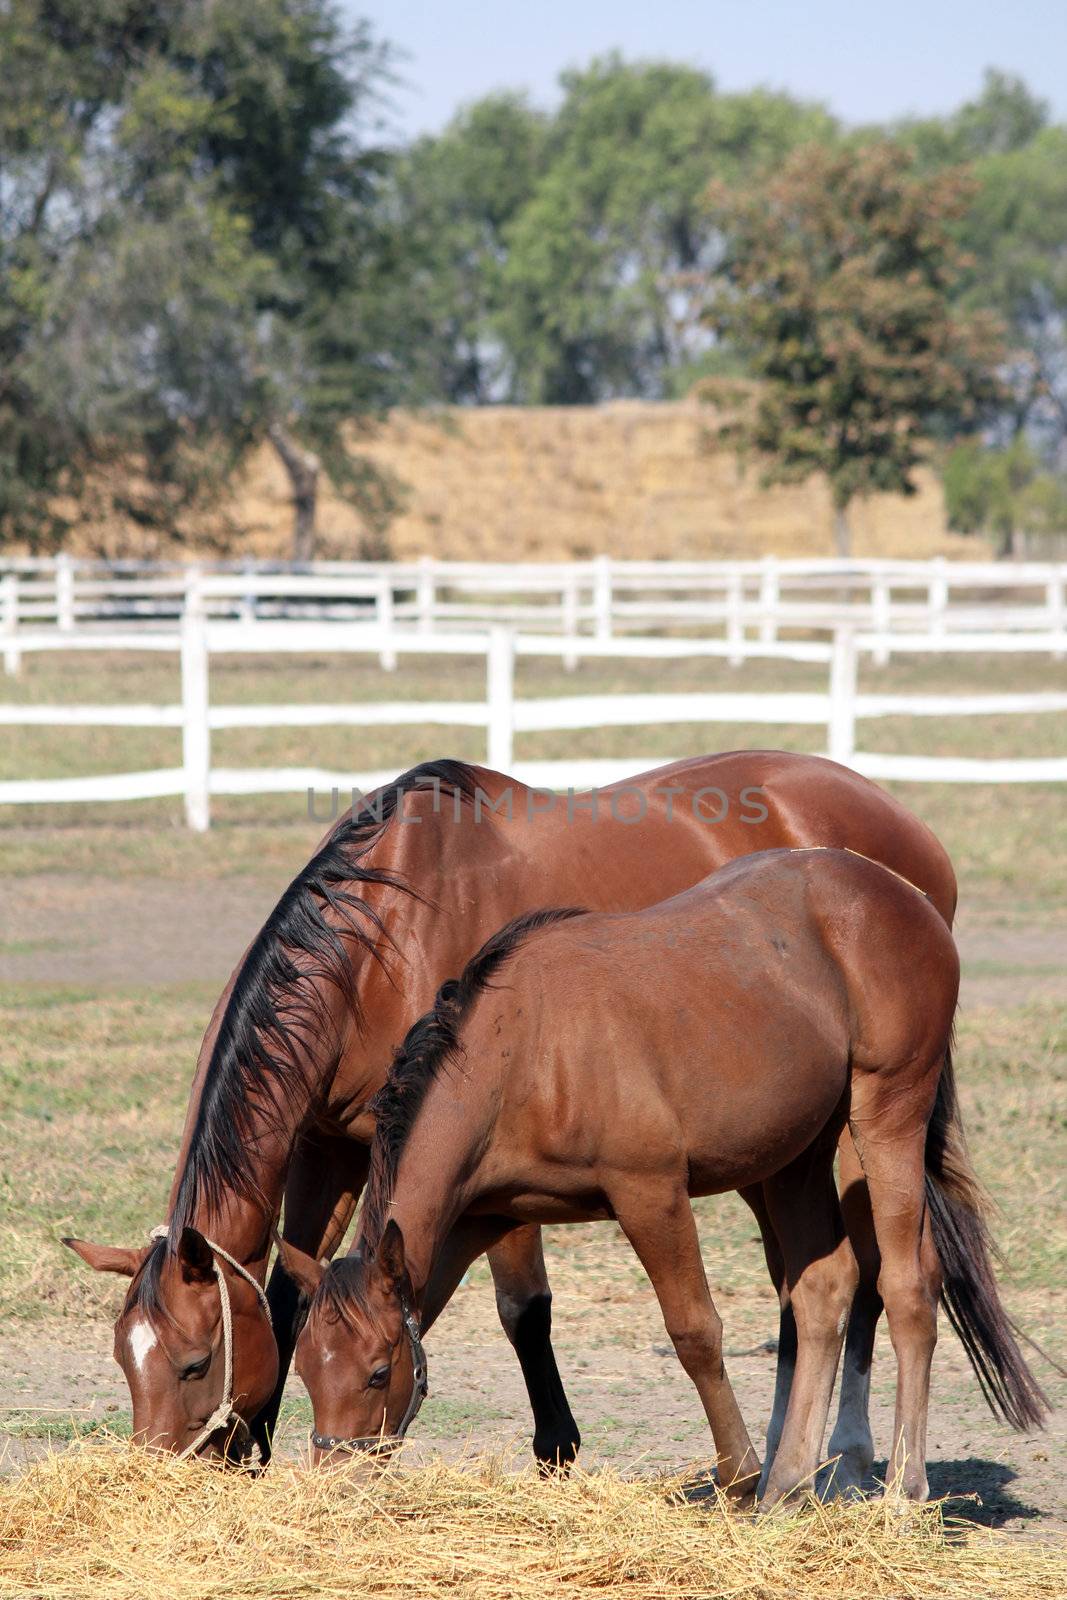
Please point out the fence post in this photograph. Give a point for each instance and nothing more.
(768, 599)
(247, 603)
(570, 616)
(193, 599)
(426, 595)
(842, 726)
(880, 620)
(735, 627)
(383, 611)
(602, 596)
(64, 593)
(196, 732)
(9, 625)
(938, 594)
(500, 697)
(1057, 613)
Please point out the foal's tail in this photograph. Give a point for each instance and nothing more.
(969, 1293)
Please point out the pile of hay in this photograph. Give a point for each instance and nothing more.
(109, 1522)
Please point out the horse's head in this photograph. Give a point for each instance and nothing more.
(359, 1352)
(195, 1341)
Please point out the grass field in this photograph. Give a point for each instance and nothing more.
(1005, 840)
(94, 1075)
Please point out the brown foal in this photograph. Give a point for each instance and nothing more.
(401, 893)
(593, 1066)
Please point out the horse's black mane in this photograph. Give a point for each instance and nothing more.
(429, 1046)
(275, 1028)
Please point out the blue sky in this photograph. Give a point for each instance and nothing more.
(866, 62)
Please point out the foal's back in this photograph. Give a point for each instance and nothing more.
(716, 1029)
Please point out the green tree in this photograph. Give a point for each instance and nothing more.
(594, 295)
(1005, 117)
(1005, 494)
(452, 198)
(190, 255)
(1014, 230)
(836, 285)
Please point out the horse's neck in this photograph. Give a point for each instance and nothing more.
(240, 1225)
(438, 1175)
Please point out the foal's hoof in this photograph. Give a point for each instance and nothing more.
(786, 1491)
(741, 1492)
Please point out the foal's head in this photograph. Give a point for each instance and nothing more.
(170, 1343)
(359, 1352)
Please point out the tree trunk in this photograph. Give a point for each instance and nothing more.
(303, 467)
(842, 532)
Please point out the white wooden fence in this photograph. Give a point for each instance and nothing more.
(838, 708)
(764, 599)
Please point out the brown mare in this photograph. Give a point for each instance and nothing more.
(400, 894)
(611, 1066)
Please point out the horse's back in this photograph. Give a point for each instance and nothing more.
(721, 1023)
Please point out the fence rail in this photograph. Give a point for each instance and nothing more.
(599, 598)
(502, 714)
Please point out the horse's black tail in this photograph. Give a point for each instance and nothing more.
(969, 1293)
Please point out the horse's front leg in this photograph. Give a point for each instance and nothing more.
(524, 1303)
(657, 1218)
(326, 1178)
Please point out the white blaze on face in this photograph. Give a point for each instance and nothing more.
(142, 1340)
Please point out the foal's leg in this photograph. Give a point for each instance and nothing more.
(821, 1273)
(852, 1443)
(893, 1157)
(659, 1224)
(326, 1177)
(787, 1323)
(524, 1303)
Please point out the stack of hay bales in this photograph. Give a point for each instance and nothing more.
(635, 480)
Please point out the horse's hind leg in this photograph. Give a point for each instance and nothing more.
(659, 1223)
(821, 1274)
(754, 1197)
(852, 1443)
(890, 1135)
(524, 1303)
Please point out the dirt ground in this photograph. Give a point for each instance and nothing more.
(633, 1403)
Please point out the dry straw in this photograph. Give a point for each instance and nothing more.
(112, 1522)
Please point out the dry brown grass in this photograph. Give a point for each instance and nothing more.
(633, 479)
(113, 1522)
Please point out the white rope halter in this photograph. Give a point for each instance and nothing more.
(224, 1413)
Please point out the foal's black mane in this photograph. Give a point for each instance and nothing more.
(275, 1031)
(430, 1045)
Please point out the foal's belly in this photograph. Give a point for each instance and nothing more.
(765, 1123)
(766, 1087)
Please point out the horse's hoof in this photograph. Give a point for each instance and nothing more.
(557, 1458)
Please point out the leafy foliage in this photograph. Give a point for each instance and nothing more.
(837, 283)
(594, 301)
(206, 244)
(188, 252)
(1003, 492)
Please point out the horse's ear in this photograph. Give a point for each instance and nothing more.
(390, 1258)
(194, 1255)
(304, 1270)
(108, 1257)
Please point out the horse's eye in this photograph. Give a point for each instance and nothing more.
(195, 1369)
(378, 1378)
